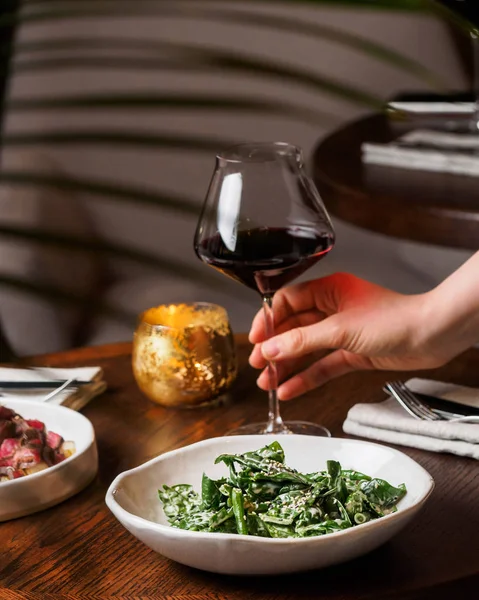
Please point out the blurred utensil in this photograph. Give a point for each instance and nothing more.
(39, 385)
(419, 409)
(67, 383)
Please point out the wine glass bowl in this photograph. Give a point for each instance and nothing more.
(263, 223)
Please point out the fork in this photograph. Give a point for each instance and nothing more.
(59, 389)
(418, 409)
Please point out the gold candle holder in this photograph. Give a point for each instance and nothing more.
(184, 354)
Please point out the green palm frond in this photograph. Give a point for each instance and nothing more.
(453, 17)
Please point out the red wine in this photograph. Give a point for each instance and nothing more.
(265, 259)
(468, 9)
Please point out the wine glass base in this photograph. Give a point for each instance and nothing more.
(292, 427)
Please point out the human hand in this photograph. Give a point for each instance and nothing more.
(362, 325)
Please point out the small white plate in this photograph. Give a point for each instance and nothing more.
(46, 488)
(133, 499)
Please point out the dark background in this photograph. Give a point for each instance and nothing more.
(7, 34)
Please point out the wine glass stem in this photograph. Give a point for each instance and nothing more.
(275, 422)
(475, 83)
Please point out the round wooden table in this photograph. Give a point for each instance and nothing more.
(421, 206)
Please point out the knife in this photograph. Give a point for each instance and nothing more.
(38, 385)
(448, 405)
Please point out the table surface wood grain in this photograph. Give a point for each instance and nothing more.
(78, 550)
(421, 206)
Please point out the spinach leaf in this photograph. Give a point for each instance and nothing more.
(210, 492)
(382, 493)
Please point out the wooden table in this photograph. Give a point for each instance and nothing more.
(434, 208)
(77, 550)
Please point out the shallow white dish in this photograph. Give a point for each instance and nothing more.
(133, 499)
(36, 492)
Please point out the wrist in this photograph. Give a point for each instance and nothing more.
(427, 326)
(450, 321)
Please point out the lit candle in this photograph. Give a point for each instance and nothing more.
(184, 354)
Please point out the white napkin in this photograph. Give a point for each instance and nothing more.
(446, 391)
(388, 422)
(433, 108)
(427, 150)
(74, 398)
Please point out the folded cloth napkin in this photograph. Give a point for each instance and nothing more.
(74, 398)
(427, 150)
(437, 108)
(445, 391)
(388, 422)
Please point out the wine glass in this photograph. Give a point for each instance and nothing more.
(263, 224)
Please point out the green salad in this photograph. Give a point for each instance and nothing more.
(264, 497)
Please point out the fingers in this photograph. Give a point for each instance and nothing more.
(257, 359)
(257, 333)
(287, 369)
(323, 295)
(330, 333)
(284, 370)
(289, 301)
(331, 366)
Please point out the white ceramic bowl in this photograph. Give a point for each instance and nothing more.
(133, 499)
(41, 490)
